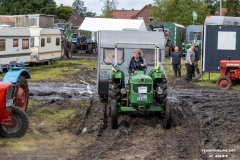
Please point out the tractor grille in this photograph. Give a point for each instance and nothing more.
(10, 92)
(135, 87)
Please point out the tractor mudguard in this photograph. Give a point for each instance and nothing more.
(156, 75)
(13, 75)
(117, 75)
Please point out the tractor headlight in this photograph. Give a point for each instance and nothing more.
(159, 90)
(9, 97)
(123, 91)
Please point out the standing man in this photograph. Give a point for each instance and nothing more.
(176, 61)
(197, 56)
(190, 58)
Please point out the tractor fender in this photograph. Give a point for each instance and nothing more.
(13, 75)
(117, 75)
(156, 75)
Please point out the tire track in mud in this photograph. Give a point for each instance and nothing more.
(203, 119)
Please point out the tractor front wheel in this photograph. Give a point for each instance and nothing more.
(224, 83)
(18, 127)
(114, 114)
(21, 94)
(166, 116)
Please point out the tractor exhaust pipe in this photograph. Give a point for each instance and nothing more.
(229, 58)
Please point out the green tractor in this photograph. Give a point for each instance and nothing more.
(143, 93)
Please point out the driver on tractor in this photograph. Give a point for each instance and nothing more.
(137, 62)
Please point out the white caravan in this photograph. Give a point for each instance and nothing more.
(45, 44)
(14, 45)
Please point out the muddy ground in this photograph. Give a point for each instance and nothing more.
(203, 119)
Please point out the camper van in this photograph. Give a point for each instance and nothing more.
(14, 45)
(45, 44)
(123, 43)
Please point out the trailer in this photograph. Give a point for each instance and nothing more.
(174, 34)
(45, 44)
(14, 46)
(221, 36)
(194, 34)
(119, 46)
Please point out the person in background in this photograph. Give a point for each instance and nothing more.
(176, 61)
(190, 58)
(195, 68)
(137, 62)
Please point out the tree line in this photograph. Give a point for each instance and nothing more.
(178, 11)
(19, 7)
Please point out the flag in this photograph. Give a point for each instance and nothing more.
(194, 14)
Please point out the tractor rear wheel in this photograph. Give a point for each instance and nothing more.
(73, 48)
(114, 114)
(167, 116)
(21, 93)
(19, 126)
(224, 83)
(68, 53)
(114, 91)
(161, 91)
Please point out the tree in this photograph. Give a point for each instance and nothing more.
(78, 6)
(179, 11)
(90, 14)
(232, 7)
(16, 7)
(108, 7)
(64, 12)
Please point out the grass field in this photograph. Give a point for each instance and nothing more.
(64, 71)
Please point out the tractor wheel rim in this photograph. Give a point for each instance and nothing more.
(14, 127)
(22, 97)
(223, 83)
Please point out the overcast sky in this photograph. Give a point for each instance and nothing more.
(96, 5)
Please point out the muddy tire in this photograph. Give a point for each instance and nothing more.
(167, 116)
(21, 93)
(114, 91)
(224, 83)
(73, 48)
(68, 53)
(20, 124)
(161, 98)
(114, 114)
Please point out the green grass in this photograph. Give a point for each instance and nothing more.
(61, 71)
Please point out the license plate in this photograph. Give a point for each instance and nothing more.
(142, 97)
(142, 89)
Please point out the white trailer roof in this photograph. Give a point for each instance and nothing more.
(222, 20)
(44, 31)
(96, 24)
(14, 32)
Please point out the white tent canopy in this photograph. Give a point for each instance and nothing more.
(96, 24)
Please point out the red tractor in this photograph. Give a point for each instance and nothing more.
(13, 102)
(230, 73)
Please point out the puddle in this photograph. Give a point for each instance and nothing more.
(54, 91)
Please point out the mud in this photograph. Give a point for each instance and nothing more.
(204, 118)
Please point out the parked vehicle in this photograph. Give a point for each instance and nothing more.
(174, 35)
(14, 45)
(230, 74)
(142, 91)
(14, 122)
(220, 41)
(45, 44)
(194, 34)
